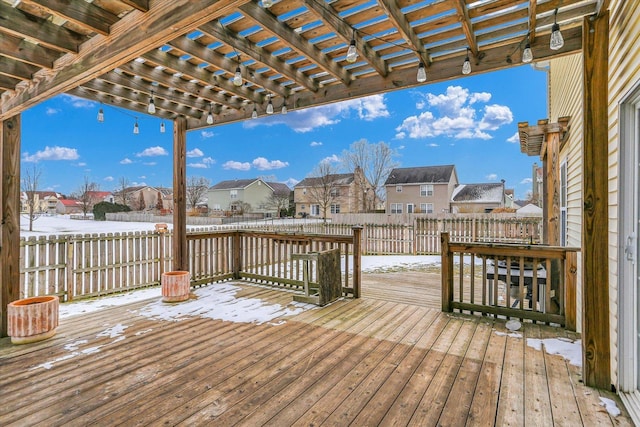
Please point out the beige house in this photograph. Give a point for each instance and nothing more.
(45, 202)
(333, 194)
(248, 196)
(478, 198)
(426, 189)
(144, 197)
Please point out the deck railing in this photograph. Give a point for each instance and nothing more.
(534, 282)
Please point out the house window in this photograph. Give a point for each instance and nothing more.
(563, 203)
(315, 210)
(301, 207)
(335, 208)
(216, 207)
(426, 207)
(396, 208)
(398, 188)
(426, 190)
(409, 207)
(334, 192)
(233, 194)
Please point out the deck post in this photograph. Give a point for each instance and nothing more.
(237, 254)
(180, 256)
(595, 324)
(570, 285)
(357, 259)
(447, 272)
(10, 214)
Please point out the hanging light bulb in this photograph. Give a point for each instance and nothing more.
(266, 3)
(270, 107)
(100, 115)
(151, 109)
(237, 77)
(527, 54)
(136, 128)
(254, 114)
(557, 41)
(284, 107)
(162, 129)
(422, 73)
(210, 115)
(352, 53)
(466, 66)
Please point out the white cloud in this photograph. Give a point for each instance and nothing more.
(77, 102)
(367, 109)
(291, 182)
(514, 138)
(492, 177)
(263, 164)
(142, 177)
(51, 111)
(138, 184)
(454, 114)
(153, 151)
(108, 178)
(52, 153)
(206, 134)
(150, 163)
(315, 144)
(126, 161)
(526, 181)
(205, 163)
(332, 158)
(233, 165)
(82, 164)
(196, 152)
(433, 144)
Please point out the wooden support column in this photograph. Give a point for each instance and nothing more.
(10, 214)
(180, 256)
(595, 257)
(551, 163)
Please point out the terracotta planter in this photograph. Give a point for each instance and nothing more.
(32, 319)
(175, 286)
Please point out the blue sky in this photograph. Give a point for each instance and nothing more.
(470, 122)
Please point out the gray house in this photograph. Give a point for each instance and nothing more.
(425, 189)
(478, 198)
(248, 196)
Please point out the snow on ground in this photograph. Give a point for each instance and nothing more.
(569, 349)
(610, 406)
(62, 224)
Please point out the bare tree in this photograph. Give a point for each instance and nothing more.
(84, 195)
(279, 201)
(323, 186)
(197, 188)
(30, 183)
(376, 162)
(123, 191)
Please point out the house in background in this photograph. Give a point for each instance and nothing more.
(323, 196)
(426, 189)
(144, 197)
(478, 198)
(101, 196)
(44, 201)
(248, 196)
(68, 207)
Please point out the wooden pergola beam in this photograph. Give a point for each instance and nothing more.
(81, 13)
(403, 26)
(180, 256)
(163, 22)
(533, 4)
(18, 49)
(467, 26)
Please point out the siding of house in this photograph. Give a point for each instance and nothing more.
(565, 99)
(411, 194)
(624, 76)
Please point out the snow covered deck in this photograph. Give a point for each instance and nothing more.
(243, 354)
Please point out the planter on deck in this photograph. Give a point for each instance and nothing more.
(32, 319)
(175, 286)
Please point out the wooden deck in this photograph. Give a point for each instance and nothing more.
(363, 362)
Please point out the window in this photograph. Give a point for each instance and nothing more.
(398, 188)
(335, 209)
(426, 190)
(216, 207)
(233, 194)
(301, 207)
(426, 207)
(410, 207)
(563, 203)
(315, 210)
(396, 208)
(334, 192)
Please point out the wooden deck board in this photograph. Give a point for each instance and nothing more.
(372, 361)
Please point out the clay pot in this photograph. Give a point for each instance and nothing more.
(175, 286)
(32, 319)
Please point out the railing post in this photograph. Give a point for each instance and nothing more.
(70, 282)
(237, 254)
(447, 272)
(570, 291)
(357, 261)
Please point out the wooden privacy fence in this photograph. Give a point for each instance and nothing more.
(534, 282)
(82, 266)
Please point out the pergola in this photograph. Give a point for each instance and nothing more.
(210, 62)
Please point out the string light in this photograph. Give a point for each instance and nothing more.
(151, 109)
(100, 115)
(270, 107)
(557, 41)
(284, 107)
(162, 129)
(136, 128)
(237, 77)
(266, 3)
(352, 53)
(422, 73)
(254, 114)
(527, 53)
(210, 115)
(466, 66)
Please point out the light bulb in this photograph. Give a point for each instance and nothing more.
(422, 73)
(557, 41)
(162, 129)
(254, 115)
(284, 109)
(100, 115)
(237, 77)
(352, 53)
(136, 128)
(527, 54)
(209, 118)
(151, 109)
(466, 66)
(266, 3)
(270, 107)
